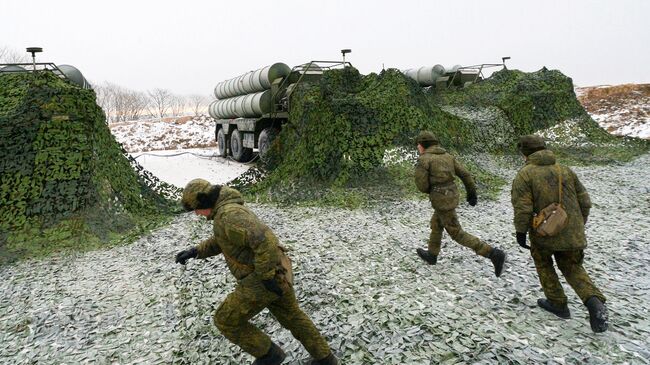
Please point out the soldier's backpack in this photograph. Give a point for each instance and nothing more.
(552, 219)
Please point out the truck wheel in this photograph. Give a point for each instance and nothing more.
(239, 152)
(221, 143)
(264, 141)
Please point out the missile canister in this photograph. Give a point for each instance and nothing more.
(244, 106)
(74, 75)
(251, 82)
(306, 69)
(12, 68)
(427, 75)
(452, 70)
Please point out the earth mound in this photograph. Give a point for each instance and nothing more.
(64, 180)
(620, 109)
(345, 130)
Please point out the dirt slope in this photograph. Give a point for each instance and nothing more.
(620, 109)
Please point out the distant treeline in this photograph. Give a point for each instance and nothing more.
(122, 104)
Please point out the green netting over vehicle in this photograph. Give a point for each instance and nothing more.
(342, 130)
(64, 180)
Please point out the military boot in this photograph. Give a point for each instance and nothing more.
(329, 360)
(597, 314)
(498, 258)
(562, 312)
(427, 256)
(275, 356)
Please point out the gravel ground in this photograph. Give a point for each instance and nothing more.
(358, 278)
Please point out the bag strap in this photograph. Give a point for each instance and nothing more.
(559, 175)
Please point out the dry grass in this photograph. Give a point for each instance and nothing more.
(593, 97)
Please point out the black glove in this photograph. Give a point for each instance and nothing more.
(472, 199)
(272, 286)
(521, 240)
(183, 256)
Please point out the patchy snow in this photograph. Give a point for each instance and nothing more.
(178, 167)
(615, 123)
(165, 134)
(491, 123)
(621, 110)
(397, 155)
(568, 133)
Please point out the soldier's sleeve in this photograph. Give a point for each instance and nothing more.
(208, 248)
(521, 197)
(266, 252)
(583, 197)
(264, 245)
(465, 177)
(422, 176)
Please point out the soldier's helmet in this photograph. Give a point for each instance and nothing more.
(192, 189)
(531, 143)
(426, 136)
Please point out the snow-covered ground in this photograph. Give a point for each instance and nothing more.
(357, 277)
(166, 134)
(178, 167)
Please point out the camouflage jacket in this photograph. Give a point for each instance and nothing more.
(249, 247)
(536, 186)
(435, 174)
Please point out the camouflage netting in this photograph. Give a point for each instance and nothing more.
(512, 103)
(343, 128)
(64, 180)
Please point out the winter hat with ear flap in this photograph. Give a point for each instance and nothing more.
(192, 191)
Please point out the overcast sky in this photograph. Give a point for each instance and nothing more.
(188, 46)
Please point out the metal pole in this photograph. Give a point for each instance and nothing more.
(33, 51)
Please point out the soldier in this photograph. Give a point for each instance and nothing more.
(262, 269)
(434, 175)
(536, 186)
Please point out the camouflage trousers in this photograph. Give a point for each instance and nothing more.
(570, 264)
(448, 220)
(233, 315)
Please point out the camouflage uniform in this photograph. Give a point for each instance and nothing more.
(434, 174)
(535, 187)
(253, 254)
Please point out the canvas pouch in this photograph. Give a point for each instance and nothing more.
(552, 219)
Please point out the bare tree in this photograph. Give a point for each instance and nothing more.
(121, 104)
(177, 105)
(10, 55)
(160, 101)
(198, 104)
(108, 99)
(103, 99)
(136, 104)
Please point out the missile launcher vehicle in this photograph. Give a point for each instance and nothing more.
(251, 109)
